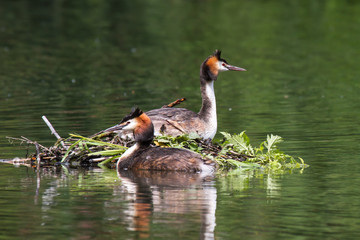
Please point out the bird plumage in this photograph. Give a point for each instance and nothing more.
(178, 121)
(146, 157)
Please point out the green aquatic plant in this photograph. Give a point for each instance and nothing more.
(235, 151)
(182, 141)
(267, 154)
(232, 151)
(88, 148)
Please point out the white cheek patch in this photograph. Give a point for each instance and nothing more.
(131, 125)
(221, 67)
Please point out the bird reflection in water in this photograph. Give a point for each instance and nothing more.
(169, 192)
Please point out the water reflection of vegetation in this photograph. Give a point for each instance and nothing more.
(238, 181)
(140, 202)
(126, 201)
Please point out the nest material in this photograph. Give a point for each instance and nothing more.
(102, 149)
(105, 148)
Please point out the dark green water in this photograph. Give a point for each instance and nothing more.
(84, 64)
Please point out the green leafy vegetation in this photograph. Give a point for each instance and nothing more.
(233, 151)
(267, 154)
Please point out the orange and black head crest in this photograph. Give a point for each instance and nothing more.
(135, 112)
(213, 65)
(210, 67)
(217, 54)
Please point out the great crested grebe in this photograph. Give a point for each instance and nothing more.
(145, 157)
(178, 121)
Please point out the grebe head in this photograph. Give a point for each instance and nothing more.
(137, 122)
(214, 64)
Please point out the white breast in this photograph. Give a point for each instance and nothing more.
(211, 122)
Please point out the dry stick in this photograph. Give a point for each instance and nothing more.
(26, 140)
(52, 129)
(174, 103)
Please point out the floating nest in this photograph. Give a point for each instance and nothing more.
(106, 148)
(103, 149)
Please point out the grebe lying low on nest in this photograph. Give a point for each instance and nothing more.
(178, 121)
(144, 156)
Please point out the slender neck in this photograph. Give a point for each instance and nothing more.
(207, 79)
(126, 157)
(208, 108)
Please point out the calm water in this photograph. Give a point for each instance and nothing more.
(85, 63)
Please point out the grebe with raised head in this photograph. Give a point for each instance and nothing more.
(178, 121)
(145, 157)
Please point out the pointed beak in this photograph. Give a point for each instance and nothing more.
(116, 127)
(233, 68)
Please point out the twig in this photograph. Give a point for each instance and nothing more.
(26, 140)
(174, 103)
(52, 129)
